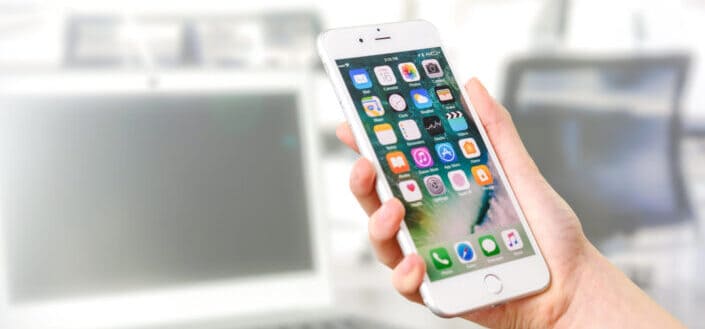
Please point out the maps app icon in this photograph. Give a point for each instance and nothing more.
(373, 106)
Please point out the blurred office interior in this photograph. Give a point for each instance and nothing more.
(607, 96)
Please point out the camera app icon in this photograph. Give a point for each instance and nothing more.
(432, 68)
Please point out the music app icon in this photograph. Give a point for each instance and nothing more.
(422, 157)
(512, 239)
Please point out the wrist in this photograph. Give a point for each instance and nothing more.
(604, 297)
(585, 288)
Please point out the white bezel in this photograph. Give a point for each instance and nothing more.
(308, 289)
(458, 294)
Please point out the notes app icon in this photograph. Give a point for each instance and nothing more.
(385, 134)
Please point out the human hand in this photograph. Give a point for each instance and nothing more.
(577, 269)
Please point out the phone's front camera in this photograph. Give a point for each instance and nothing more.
(361, 40)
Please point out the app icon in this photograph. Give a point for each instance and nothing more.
(444, 94)
(489, 245)
(420, 98)
(385, 134)
(433, 125)
(440, 258)
(469, 148)
(397, 162)
(512, 239)
(360, 78)
(409, 130)
(385, 75)
(409, 72)
(465, 252)
(432, 68)
(410, 190)
(456, 120)
(445, 152)
(397, 102)
(482, 175)
(434, 185)
(373, 106)
(422, 157)
(458, 180)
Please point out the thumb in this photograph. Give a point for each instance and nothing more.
(530, 187)
(502, 134)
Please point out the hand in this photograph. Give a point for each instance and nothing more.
(578, 271)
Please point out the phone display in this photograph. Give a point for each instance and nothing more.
(458, 212)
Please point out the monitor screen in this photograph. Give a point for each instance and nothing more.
(108, 193)
(603, 137)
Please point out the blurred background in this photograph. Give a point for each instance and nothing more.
(141, 142)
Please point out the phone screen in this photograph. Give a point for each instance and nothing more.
(458, 212)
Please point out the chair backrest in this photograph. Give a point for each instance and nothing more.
(605, 133)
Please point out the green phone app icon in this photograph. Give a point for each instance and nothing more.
(489, 245)
(441, 259)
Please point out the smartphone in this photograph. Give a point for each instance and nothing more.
(416, 125)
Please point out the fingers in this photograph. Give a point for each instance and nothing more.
(362, 185)
(383, 227)
(345, 135)
(407, 277)
(521, 171)
(384, 219)
(501, 132)
(408, 271)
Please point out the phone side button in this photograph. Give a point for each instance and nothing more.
(493, 284)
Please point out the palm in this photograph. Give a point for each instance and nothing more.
(560, 237)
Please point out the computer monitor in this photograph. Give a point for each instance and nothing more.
(605, 133)
(122, 204)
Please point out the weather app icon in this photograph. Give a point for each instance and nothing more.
(421, 98)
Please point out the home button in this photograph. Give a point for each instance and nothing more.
(493, 283)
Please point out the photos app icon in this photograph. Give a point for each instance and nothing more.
(409, 72)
